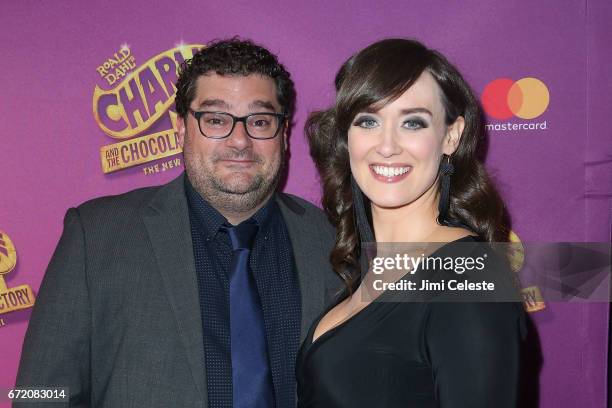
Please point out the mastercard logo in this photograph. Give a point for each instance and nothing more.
(526, 98)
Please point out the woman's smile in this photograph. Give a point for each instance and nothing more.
(390, 173)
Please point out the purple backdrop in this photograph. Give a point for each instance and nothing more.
(556, 181)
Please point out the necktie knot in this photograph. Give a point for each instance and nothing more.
(242, 235)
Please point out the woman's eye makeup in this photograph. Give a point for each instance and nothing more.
(369, 122)
(366, 122)
(415, 123)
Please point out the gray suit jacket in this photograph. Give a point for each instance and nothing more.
(117, 317)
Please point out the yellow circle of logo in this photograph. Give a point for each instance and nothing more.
(8, 254)
(528, 98)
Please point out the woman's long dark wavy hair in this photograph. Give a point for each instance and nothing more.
(372, 78)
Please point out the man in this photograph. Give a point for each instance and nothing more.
(196, 293)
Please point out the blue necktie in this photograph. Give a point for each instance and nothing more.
(251, 377)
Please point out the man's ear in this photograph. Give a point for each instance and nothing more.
(453, 136)
(181, 130)
(285, 134)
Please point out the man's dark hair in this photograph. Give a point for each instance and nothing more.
(233, 57)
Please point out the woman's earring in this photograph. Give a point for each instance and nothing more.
(447, 169)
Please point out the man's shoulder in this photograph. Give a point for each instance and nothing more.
(301, 206)
(305, 217)
(125, 202)
(122, 206)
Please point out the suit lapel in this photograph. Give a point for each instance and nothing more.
(306, 250)
(166, 218)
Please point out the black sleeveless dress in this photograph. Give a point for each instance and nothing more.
(409, 354)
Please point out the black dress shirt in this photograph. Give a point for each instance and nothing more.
(271, 262)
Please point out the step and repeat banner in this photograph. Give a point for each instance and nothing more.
(87, 109)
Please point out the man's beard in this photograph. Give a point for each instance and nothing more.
(235, 195)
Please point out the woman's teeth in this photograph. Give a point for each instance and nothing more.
(389, 171)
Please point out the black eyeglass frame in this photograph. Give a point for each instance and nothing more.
(280, 116)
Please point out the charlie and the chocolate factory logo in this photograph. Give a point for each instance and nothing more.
(11, 298)
(133, 104)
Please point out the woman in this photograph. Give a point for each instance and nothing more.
(404, 121)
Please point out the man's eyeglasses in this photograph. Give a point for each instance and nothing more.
(219, 125)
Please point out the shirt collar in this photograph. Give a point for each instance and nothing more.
(211, 220)
(208, 218)
(264, 215)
